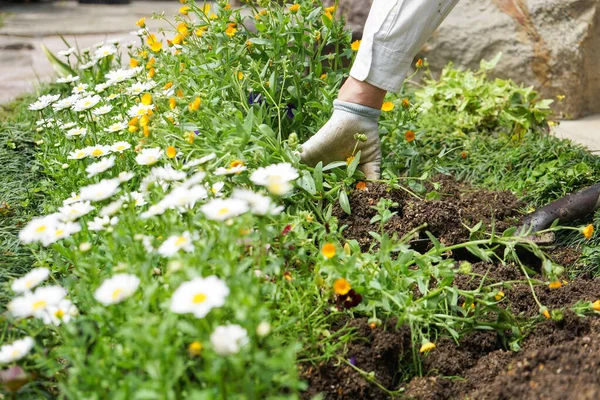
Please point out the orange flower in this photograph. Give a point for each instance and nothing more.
(361, 185)
(147, 99)
(184, 10)
(419, 63)
(168, 86)
(133, 121)
(555, 285)
(294, 8)
(179, 93)
(427, 346)
(151, 73)
(588, 231)
(195, 105)
(463, 154)
(133, 63)
(324, 76)
(230, 31)
(146, 131)
(150, 63)
(409, 136)
(141, 22)
(596, 305)
(171, 152)
(387, 106)
(405, 102)
(328, 250)
(545, 313)
(153, 43)
(236, 163)
(195, 348)
(172, 103)
(355, 45)
(227, 6)
(341, 286)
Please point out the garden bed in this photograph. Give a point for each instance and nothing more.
(557, 360)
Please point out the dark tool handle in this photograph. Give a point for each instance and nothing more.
(566, 209)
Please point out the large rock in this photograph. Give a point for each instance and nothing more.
(553, 45)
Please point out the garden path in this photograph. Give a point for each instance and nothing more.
(26, 26)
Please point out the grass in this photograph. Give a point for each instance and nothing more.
(20, 197)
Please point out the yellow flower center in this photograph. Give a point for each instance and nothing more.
(59, 232)
(181, 240)
(39, 304)
(223, 211)
(41, 228)
(117, 293)
(59, 314)
(199, 298)
(97, 152)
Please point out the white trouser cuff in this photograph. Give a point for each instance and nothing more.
(382, 68)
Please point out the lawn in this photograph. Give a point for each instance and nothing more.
(162, 240)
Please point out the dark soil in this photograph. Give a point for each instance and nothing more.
(557, 360)
(458, 204)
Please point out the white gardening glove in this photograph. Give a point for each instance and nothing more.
(336, 140)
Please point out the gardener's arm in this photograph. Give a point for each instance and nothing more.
(395, 31)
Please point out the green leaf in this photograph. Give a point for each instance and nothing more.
(344, 202)
(318, 176)
(60, 67)
(487, 65)
(353, 165)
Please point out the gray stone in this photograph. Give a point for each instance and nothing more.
(553, 45)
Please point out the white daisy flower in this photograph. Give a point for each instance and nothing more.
(31, 280)
(200, 161)
(125, 176)
(222, 209)
(112, 208)
(117, 289)
(36, 303)
(115, 41)
(68, 79)
(154, 210)
(199, 296)
(120, 147)
(81, 88)
(67, 52)
(276, 177)
(78, 154)
(105, 51)
(194, 179)
(259, 204)
(68, 125)
(238, 169)
(62, 312)
(73, 199)
(167, 173)
(184, 198)
(140, 109)
(61, 231)
(117, 127)
(76, 210)
(38, 228)
(86, 103)
(137, 88)
(174, 243)
(98, 150)
(100, 191)
(228, 339)
(43, 102)
(101, 87)
(216, 188)
(71, 133)
(149, 156)
(102, 223)
(67, 102)
(16, 350)
(100, 166)
(102, 110)
(87, 65)
(137, 198)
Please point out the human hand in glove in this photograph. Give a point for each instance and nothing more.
(356, 111)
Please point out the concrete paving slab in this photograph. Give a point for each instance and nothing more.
(585, 131)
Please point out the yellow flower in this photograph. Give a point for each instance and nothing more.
(405, 102)
(349, 160)
(172, 103)
(133, 121)
(499, 296)
(555, 285)
(195, 348)
(318, 35)
(240, 75)
(183, 1)
(227, 6)
(427, 346)
(147, 99)
(328, 250)
(153, 43)
(341, 286)
(409, 136)
(387, 106)
(195, 105)
(329, 12)
(151, 73)
(145, 120)
(596, 305)
(141, 22)
(133, 63)
(179, 93)
(236, 163)
(230, 31)
(355, 45)
(560, 97)
(323, 76)
(171, 152)
(294, 8)
(545, 313)
(588, 231)
(191, 137)
(168, 86)
(184, 10)
(150, 63)
(178, 39)
(146, 131)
